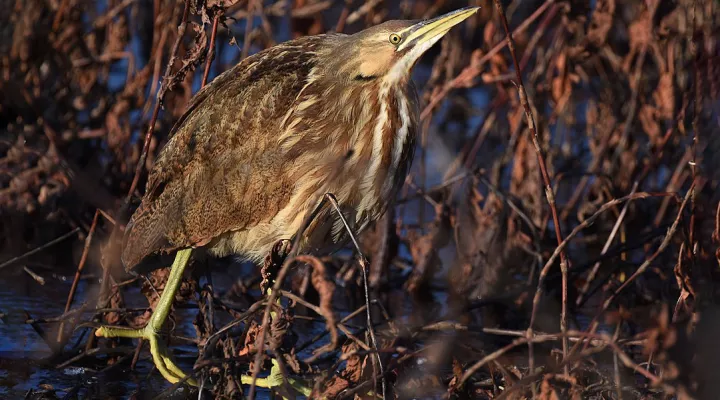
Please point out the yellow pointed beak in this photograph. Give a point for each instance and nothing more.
(430, 31)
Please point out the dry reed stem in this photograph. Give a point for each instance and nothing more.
(211, 49)
(549, 195)
(81, 266)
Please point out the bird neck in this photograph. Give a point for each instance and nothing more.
(359, 149)
(365, 135)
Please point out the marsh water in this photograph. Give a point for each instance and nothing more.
(27, 369)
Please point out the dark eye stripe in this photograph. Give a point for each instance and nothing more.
(364, 78)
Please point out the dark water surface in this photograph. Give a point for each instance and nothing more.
(27, 366)
(22, 349)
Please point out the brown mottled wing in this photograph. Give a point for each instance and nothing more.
(221, 171)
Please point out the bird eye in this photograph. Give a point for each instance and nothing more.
(395, 39)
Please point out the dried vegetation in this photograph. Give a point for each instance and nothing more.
(558, 236)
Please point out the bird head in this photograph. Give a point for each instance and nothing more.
(389, 51)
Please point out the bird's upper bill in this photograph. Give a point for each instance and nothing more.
(425, 33)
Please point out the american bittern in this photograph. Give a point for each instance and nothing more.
(259, 146)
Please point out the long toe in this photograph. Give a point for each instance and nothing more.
(164, 361)
(161, 355)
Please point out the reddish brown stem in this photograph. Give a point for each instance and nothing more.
(550, 196)
(59, 14)
(81, 266)
(211, 49)
(695, 129)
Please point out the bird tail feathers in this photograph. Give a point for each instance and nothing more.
(144, 235)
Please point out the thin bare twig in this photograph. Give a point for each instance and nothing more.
(606, 341)
(81, 266)
(606, 247)
(211, 47)
(39, 249)
(643, 267)
(549, 195)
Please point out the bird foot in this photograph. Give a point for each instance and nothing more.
(162, 358)
(165, 363)
(277, 381)
(161, 355)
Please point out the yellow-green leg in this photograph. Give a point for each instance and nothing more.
(160, 353)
